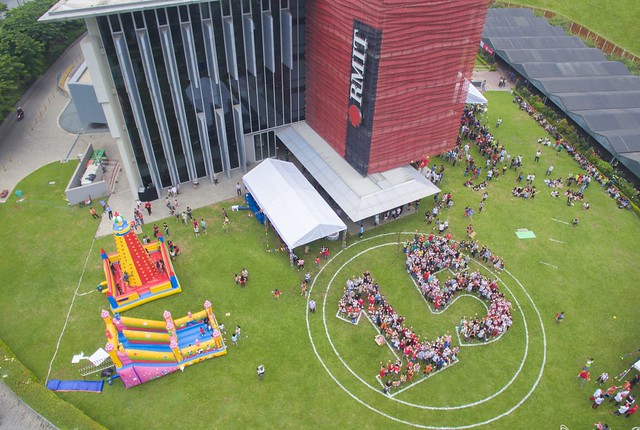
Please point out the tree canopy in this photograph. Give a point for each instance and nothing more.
(28, 47)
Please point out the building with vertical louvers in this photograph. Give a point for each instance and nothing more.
(195, 88)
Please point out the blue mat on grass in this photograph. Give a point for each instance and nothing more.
(88, 386)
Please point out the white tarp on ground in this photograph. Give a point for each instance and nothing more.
(295, 209)
(474, 96)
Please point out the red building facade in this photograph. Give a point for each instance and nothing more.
(385, 78)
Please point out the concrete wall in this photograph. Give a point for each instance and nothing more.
(84, 97)
(77, 193)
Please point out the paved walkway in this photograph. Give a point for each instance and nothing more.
(15, 414)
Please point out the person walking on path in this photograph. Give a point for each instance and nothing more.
(260, 371)
(238, 189)
(147, 206)
(109, 212)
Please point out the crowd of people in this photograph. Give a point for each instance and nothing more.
(417, 356)
(526, 192)
(624, 401)
(425, 256)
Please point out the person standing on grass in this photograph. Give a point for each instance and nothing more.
(93, 213)
(602, 378)
(277, 293)
(559, 317)
(166, 229)
(583, 377)
(203, 226)
(260, 371)
(597, 398)
(312, 306)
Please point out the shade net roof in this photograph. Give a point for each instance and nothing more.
(295, 209)
(599, 95)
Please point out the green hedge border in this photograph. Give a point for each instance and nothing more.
(31, 391)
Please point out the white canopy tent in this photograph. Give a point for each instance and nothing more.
(295, 209)
(474, 96)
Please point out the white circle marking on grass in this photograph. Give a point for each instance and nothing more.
(442, 408)
(418, 425)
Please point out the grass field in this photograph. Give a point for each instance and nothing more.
(614, 20)
(321, 370)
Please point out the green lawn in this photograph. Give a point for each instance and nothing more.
(614, 20)
(591, 274)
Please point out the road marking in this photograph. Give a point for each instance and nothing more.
(563, 222)
(556, 241)
(548, 264)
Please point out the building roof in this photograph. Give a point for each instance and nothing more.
(295, 209)
(358, 196)
(599, 95)
(74, 9)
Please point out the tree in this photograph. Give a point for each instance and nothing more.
(27, 47)
(29, 51)
(24, 20)
(10, 70)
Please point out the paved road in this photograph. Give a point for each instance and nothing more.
(37, 140)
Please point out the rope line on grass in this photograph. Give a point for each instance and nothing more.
(66, 320)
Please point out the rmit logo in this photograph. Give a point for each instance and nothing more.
(358, 59)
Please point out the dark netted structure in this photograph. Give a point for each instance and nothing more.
(601, 96)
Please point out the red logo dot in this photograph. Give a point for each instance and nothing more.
(355, 117)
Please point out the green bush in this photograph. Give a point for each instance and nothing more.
(558, 21)
(604, 167)
(634, 68)
(24, 383)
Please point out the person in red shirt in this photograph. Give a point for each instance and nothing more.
(383, 371)
(583, 377)
(632, 411)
